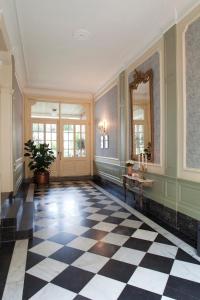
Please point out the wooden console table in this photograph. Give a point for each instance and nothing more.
(138, 183)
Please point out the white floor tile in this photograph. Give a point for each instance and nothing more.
(106, 202)
(149, 280)
(46, 233)
(130, 256)
(76, 229)
(45, 222)
(119, 214)
(163, 250)
(186, 270)
(112, 207)
(87, 203)
(105, 226)
(91, 209)
(167, 298)
(82, 243)
(52, 292)
(145, 235)
(131, 223)
(46, 248)
(100, 197)
(114, 238)
(47, 269)
(97, 217)
(90, 262)
(102, 288)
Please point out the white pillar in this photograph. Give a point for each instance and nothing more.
(6, 140)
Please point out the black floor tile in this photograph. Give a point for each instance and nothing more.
(33, 259)
(157, 263)
(73, 279)
(134, 293)
(161, 239)
(146, 227)
(132, 217)
(67, 255)
(34, 242)
(79, 297)
(124, 230)
(104, 249)
(106, 212)
(95, 234)
(118, 270)
(113, 220)
(182, 289)
(32, 285)
(63, 238)
(138, 244)
(182, 255)
(98, 205)
(88, 223)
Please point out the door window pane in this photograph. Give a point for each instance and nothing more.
(68, 137)
(44, 133)
(74, 141)
(80, 150)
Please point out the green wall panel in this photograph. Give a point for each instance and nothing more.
(180, 195)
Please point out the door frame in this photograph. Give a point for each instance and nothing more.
(30, 100)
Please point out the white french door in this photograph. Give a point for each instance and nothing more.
(70, 143)
(74, 148)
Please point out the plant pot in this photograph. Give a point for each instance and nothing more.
(42, 177)
(130, 170)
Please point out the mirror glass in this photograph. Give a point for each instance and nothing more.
(142, 115)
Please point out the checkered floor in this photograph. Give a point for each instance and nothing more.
(86, 246)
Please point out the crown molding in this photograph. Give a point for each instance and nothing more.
(57, 93)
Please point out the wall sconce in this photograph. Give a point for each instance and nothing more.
(102, 126)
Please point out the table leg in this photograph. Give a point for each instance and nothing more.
(124, 185)
(141, 196)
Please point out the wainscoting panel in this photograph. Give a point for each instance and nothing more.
(189, 199)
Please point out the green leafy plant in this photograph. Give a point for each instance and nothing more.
(41, 156)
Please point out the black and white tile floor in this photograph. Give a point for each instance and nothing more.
(87, 246)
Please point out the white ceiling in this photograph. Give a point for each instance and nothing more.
(119, 31)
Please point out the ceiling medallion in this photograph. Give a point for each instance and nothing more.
(81, 35)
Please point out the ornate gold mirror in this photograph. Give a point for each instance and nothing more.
(141, 93)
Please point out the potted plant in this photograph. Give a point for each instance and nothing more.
(41, 157)
(129, 165)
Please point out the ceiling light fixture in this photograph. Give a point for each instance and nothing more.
(81, 35)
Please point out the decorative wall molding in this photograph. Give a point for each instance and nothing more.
(37, 92)
(108, 160)
(183, 171)
(106, 89)
(110, 178)
(157, 48)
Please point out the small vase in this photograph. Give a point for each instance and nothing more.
(129, 170)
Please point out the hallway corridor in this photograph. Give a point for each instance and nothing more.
(87, 246)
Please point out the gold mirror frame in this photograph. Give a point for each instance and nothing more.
(140, 77)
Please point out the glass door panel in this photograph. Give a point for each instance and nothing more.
(46, 131)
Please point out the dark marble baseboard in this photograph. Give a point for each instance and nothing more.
(177, 223)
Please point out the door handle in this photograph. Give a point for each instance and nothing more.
(60, 154)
